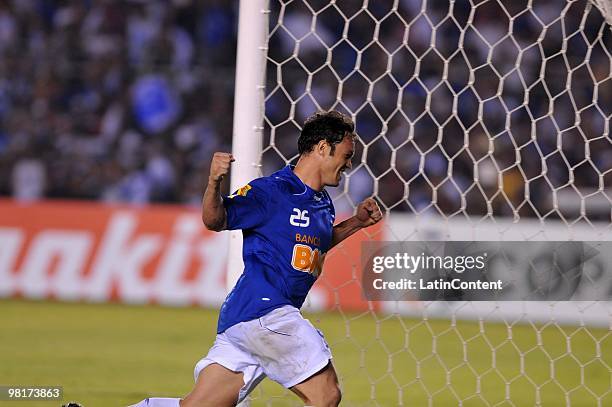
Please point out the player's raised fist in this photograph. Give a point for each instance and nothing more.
(220, 166)
(368, 212)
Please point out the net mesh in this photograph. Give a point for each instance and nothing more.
(606, 9)
(468, 113)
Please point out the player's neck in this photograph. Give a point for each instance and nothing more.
(309, 173)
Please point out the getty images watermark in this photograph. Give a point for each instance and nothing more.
(483, 271)
(404, 262)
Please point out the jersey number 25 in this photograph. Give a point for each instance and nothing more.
(299, 218)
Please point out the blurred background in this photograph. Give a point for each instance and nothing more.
(114, 101)
(126, 101)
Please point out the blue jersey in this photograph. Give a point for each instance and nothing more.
(287, 229)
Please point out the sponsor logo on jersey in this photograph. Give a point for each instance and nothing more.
(313, 240)
(241, 191)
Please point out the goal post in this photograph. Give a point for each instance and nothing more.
(248, 111)
(477, 120)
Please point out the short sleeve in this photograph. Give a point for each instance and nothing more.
(249, 206)
(330, 202)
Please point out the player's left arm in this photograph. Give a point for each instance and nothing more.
(368, 213)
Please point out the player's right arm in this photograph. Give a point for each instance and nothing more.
(214, 215)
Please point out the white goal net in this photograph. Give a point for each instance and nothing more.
(477, 120)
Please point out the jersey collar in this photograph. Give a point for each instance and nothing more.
(301, 187)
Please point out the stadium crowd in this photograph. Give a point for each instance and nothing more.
(117, 101)
(126, 101)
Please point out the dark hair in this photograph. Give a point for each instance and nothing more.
(330, 126)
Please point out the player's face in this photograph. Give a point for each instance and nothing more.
(339, 162)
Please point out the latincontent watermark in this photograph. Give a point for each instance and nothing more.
(486, 271)
(408, 263)
(439, 284)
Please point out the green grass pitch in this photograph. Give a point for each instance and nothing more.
(114, 355)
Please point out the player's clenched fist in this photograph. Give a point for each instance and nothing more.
(368, 212)
(220, 166)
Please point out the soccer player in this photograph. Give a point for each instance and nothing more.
(287, 221)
